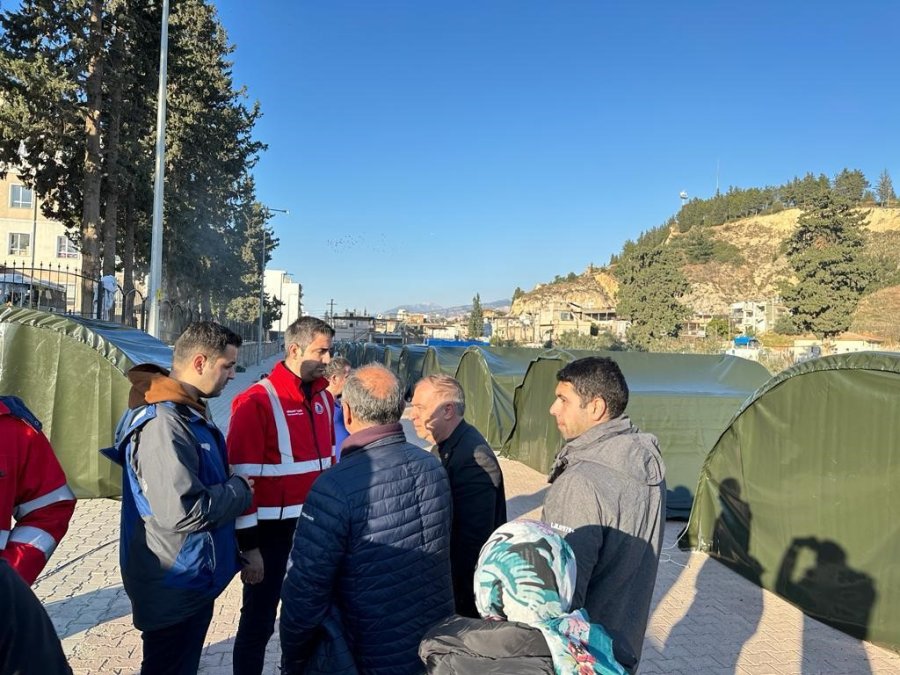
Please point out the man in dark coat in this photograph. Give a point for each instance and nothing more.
(479, 499)
(370, 565)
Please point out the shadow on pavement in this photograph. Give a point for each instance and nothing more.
(98, 607)
(518, 506)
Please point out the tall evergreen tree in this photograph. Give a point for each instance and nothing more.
(476, 318)
(650, 283)
(851, 185)
(826, 253)
(885, 189)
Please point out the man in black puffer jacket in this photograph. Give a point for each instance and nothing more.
(370, 566)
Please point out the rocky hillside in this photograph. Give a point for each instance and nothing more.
(715, 285)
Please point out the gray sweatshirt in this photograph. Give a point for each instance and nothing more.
(608, 497)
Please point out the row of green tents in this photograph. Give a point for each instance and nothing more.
(687, 400)
(794, 475)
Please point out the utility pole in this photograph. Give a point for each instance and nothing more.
(331, 312)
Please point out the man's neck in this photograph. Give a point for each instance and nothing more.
(450, 430)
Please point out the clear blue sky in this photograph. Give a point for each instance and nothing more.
(429, 150)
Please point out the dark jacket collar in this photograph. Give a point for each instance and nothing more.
(445, 447)
(370, 436)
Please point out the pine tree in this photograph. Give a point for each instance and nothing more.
(885, 189)
(476, 319)
(826, 252)
(650, 285)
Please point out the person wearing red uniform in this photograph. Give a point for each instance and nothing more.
(33, 490)
(281, 435)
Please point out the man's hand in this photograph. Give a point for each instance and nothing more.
(251, 566)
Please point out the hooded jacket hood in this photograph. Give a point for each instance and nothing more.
(641, 461)
(152, 384)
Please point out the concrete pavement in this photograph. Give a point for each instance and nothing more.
(705, 618)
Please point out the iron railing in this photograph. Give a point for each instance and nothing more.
(61, 288)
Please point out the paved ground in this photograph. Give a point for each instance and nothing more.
(705, 618)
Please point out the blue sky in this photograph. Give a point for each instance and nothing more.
(428, 150)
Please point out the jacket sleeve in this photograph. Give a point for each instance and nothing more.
(571, 507)
(43, 504)
(474, 483)
(246, 447)
(167, 465)
(320, 544)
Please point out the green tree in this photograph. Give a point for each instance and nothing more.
(650, 285)
(826, 252)
(476, 319)
(603, 341)
(851, 185)
(518, 293)
(698, 246)
(885, 189)
(718, 327)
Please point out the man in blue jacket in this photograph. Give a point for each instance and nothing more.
(177, 545)
(370, 566)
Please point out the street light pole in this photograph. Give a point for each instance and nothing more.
(156, 232)
(262, 281)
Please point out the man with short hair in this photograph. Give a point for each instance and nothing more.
(282, 436)
(179, 502)
(370, 565)
(479, 498)
(607, 495)
(337, 373)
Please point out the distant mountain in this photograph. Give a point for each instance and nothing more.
(432, 308)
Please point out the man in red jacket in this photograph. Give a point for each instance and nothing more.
(281, 435)
(33, 490)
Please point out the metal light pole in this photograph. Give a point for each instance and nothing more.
(262, 281)
(156, 237)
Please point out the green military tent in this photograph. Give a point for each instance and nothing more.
(489, 377)
(686, 400)
(800, 494)
(71, 374)
(409, 370)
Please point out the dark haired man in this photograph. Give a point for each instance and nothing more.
(179, 502)
(281, 435)
(607, 495)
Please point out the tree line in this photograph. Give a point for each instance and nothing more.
(826, 252)
(78, 96)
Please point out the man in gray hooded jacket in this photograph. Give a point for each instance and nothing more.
(607, 496)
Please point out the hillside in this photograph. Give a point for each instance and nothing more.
(715, 285)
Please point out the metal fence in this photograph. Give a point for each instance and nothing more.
(61, 289)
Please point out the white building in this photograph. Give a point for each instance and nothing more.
(280, 284)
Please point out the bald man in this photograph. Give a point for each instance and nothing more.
(370, 563)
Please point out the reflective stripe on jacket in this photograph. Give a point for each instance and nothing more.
(33, 490)
(281, 440)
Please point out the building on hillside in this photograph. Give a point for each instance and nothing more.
(855, 342)
(31, 241)
(554, 318)
(695, 327)
(282, 286)
(756, 316)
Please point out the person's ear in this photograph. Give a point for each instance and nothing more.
(197, 363)
(598, 408)
(348, 414)
(293, 350)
